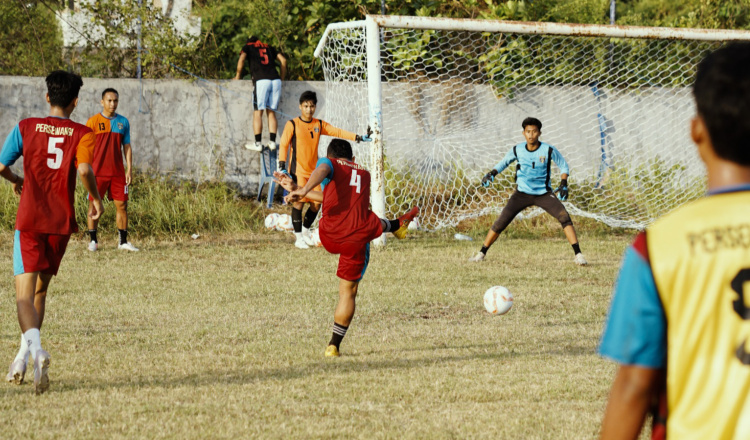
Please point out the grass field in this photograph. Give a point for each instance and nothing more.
(223, 337)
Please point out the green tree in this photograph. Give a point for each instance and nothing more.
(30, 40)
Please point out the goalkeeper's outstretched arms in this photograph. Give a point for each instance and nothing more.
(488, 178)
(330, 130)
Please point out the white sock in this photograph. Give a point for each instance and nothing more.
(23, 352)
(298, 235)
(33, 339)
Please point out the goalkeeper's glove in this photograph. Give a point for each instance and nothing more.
(365, 138)
(489, 178)
(282, 166)
(562, 190)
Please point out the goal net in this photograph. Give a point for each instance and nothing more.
(448, 97)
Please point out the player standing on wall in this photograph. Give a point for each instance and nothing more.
(53, 149)
(112, 132)
(347, 225)
(299, 156)
(266, 87)
(533, 178)
(680, 313)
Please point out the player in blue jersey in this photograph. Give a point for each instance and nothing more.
(534, 169)
(679, 323)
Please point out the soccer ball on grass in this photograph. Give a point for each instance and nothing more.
(498, 300)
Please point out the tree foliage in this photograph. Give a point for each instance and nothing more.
(31, 41)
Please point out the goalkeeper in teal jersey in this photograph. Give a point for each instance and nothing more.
(534, 161)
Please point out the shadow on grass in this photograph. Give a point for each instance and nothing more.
(356, 363)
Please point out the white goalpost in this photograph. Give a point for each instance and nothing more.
(445, 99)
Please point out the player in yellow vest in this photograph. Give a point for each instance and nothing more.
(680, 315)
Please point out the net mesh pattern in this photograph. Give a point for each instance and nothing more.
(453, 101)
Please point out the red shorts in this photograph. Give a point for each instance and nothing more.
(36, 252)
(113, 185)
(354, 255)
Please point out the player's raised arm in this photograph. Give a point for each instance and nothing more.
(329, 130)
(282, 61)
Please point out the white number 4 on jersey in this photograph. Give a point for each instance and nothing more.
(356, 181)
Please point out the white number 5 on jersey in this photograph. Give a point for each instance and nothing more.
(356, 181)
(58, 152)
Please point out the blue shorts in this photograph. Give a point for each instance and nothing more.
(266, 94)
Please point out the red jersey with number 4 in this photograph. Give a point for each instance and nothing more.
(51, 148)
(346, 204)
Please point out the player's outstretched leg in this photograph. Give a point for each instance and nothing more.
(403, 223)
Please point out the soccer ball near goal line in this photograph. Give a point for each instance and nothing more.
(498, 300)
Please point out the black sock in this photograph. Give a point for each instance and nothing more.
(257, 137)
(92, 234)
(123, 235)
(391, 225)
(484, 249)
(339, 331)
(272, 136)
(576, 248)
(297, 220)
(310, 216)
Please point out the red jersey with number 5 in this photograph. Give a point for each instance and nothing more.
(51, 148)
(346, 204)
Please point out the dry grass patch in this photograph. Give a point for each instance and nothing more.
(223, 337)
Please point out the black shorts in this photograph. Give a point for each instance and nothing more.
(519, 201)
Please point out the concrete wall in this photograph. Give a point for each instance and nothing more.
(194, 129)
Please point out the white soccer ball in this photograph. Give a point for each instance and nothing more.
(414, 225)
(498, 300)
(271, 220)
(316, 237)
(284, 223)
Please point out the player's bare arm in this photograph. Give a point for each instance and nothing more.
(629, 401)
(13, 178)
(282, 61)
(86, 173)
(240, 65)
(128, 150)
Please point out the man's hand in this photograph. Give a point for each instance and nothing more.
(296, 195)
(95, 209)
(282, 165)
(489, 178)
(128, 177)
(285, 180)
(365, 138)
(562, 190)
(18, 185)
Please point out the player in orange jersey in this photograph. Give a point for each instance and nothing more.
(112, 132)
(53, 149)
(299, 156)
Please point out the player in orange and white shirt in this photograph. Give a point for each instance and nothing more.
(299, 155)
(54, 150)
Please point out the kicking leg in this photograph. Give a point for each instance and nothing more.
(400, 226)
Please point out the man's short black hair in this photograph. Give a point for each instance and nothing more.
(308, 95)
(63, 87)
(110, 90)
(532, 121)
(252, 39)
(722, 95)
(340, 149)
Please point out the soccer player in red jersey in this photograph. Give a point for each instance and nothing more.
(53, 149)
(347, 226)
(112, 132)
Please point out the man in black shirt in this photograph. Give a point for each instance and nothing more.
(266, 86)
